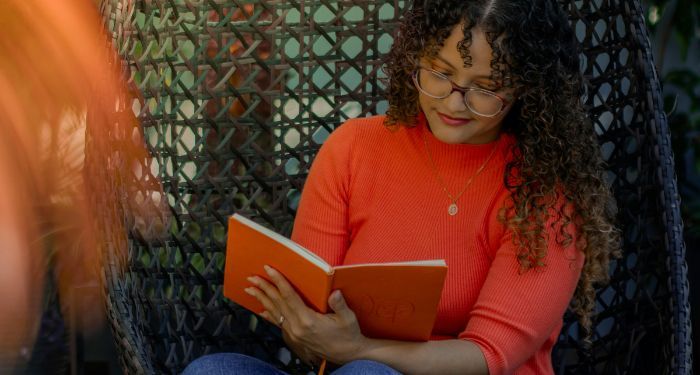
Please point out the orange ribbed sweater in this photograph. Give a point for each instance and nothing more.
(372, 196)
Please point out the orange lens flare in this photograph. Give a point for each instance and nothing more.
(63, 108)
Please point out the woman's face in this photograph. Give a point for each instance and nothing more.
(449, 119)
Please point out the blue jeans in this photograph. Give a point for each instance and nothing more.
(240, 364)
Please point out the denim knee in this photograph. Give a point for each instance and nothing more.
(365, 367)
(230, 363)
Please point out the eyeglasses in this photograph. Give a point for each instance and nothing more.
(480, 101)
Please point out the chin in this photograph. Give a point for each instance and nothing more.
(451, 140)
(447, 134)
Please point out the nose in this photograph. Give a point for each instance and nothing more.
(455, 102)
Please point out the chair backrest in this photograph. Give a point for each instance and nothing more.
(643, 320)
(235, 100)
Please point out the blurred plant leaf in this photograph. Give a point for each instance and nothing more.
(686, 22)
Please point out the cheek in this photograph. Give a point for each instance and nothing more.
(421, 102)
(425, 102)
(492, 123)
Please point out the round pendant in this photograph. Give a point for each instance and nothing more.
(452, 210)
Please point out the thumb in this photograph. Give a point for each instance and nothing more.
(337, 303)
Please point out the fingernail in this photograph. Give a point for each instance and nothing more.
(338, 295)
(267, 268)
(249, 291)
(253, 280)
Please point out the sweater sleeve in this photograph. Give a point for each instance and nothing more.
(516, 312)
(321, 223)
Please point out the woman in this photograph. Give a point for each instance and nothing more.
(485, 159)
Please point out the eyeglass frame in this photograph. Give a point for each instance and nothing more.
(461, 90)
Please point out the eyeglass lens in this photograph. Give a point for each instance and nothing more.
(439, 87)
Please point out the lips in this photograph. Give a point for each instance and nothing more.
(453, 121)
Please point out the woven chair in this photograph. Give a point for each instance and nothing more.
(235, 98)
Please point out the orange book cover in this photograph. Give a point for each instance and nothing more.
(391, 300)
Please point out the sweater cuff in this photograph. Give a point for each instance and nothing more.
(495, 361)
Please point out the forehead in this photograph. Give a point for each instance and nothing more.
(479, 50)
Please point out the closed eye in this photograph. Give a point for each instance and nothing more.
(488, 88)
(440, 70)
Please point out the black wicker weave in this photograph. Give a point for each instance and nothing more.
(235, 98)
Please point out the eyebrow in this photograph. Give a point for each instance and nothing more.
(486, 76)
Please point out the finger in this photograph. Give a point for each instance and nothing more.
(291, 306)
(279, 304)
(286, 290)
(337, 303)
(267, 316)
(269, 289)
(270, 292)
(267, 303)
(272, 319)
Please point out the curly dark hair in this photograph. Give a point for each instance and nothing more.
(556, 157)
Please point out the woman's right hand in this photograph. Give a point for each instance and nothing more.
(301, 351)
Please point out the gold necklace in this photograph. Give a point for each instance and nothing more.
(452, 209)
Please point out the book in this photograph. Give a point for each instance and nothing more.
(391, 300)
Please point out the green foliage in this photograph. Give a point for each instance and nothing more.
(677, 18)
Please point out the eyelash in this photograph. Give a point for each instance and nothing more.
(439, 70)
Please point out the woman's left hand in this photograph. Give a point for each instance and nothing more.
(335, 337)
